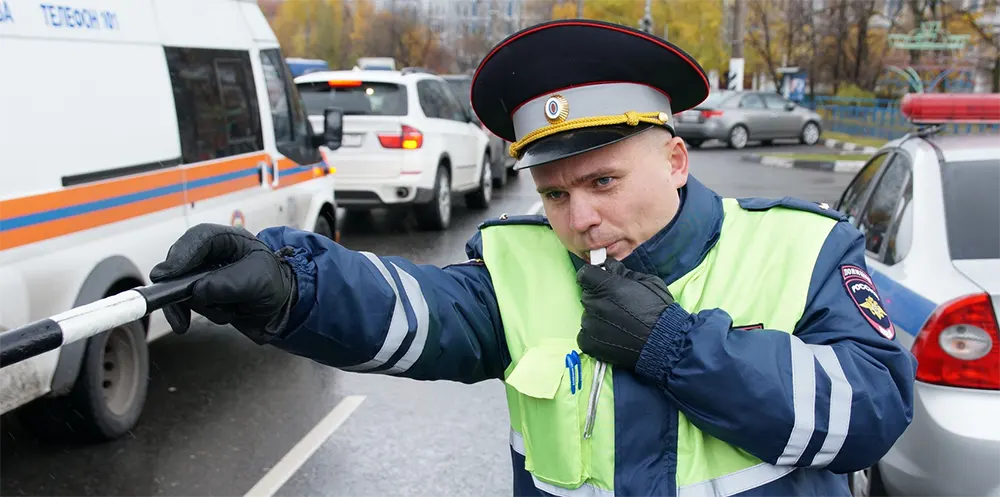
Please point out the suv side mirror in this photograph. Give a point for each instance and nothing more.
(333, 127)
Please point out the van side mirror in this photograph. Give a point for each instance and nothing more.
(333, 127)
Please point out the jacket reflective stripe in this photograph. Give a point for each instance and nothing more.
(734, 483)
(585, 490)
(803, 402)
(804, 359)
(398, 325)
(840, 405)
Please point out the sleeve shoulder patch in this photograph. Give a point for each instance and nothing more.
(861, 289)
(506, 220)
(763, 204)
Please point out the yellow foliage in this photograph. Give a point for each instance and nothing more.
(693, 25)
(310, 28)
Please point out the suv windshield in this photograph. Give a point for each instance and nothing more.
(972, 208)
(356, 98)
(461, 88)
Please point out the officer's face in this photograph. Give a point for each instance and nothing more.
(616, 196)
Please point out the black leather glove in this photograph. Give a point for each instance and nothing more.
(249, 286)
(620, 308)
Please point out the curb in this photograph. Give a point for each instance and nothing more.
(840, 166)
(848, 146)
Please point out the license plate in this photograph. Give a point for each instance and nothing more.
(352, 140)
(689, 118)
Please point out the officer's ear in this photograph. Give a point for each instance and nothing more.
(677, 158)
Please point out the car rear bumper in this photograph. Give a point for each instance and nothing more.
(370, 193)
(952, 446)
(708, 130)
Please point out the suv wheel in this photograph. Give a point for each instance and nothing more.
(866, 483)
(436, 214)
(499, 175)
(480, 199)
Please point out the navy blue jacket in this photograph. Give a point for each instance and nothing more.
(381, 314)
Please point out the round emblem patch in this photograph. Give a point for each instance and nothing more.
(862, 290)
(556, 109)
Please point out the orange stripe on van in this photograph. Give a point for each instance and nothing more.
(48, 215)
(87, 193)
(73, 224)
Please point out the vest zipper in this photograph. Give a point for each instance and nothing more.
(595, 395)
(597, 258)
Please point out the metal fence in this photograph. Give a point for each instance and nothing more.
(876, 118)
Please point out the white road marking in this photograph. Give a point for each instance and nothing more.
(535, 208)
(304, 449)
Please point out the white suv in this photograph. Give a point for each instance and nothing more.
(407, 141)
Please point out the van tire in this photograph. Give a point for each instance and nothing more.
(481, 197)
(84, 415)
(324, 227)
(436, 214)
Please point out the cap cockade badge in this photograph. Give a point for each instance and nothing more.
(556, 109)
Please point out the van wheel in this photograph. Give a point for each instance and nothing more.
(108, 396)
(324, 227)
(436, 214)
(481, 197)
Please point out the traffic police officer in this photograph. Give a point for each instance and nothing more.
(749, 353)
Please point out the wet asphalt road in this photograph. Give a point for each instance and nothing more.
(222, 411)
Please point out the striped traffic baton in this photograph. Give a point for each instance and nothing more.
(79, 323)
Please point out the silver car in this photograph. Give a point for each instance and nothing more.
(736, 118)
(503, 163)
(930, 213)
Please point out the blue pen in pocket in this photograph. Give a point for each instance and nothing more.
(575, 372)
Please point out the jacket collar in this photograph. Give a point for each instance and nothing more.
(683, 243)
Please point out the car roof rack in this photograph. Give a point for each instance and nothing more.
(415, 70)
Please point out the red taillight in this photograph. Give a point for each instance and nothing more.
(705, 114)
(959, 346)
(409, 138)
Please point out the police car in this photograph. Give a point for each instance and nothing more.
(929, 207)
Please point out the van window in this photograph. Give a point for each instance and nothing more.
(281, 110)
(357, 98)
(216, 102)
(292, 132)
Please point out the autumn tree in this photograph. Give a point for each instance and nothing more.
(312, 29)
(693, 25)
(402, 32)
(777, 34)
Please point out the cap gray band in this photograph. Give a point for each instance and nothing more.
(601, 100)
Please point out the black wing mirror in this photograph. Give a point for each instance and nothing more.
(333, 127)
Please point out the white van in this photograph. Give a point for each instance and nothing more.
(121, 125)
